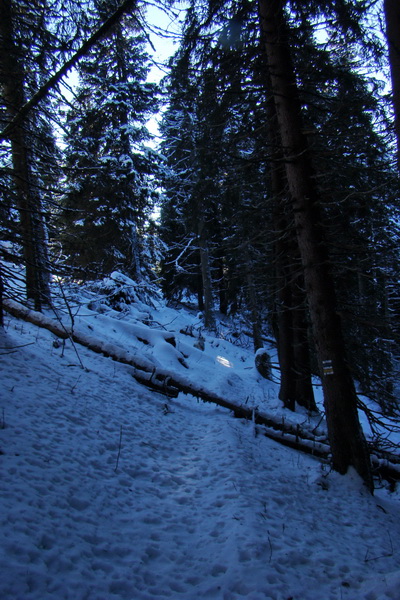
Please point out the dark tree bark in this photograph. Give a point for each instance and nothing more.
(199, 282)
(284, 332)
(252, 302)
(1, 298)
(222, 295)
(291, 319)
(283, 293)
(291, 322)
(209, 320)
(33, 234)
(392, 18)
(304, 389)
(346, 437)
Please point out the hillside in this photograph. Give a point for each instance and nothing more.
(113, 491)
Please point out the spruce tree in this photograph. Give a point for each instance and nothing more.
(25, 56)
(35, 39)
(347, 441)
(344, 115)
(110, 172)
(213, 184)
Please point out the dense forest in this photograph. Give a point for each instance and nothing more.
(272, 189)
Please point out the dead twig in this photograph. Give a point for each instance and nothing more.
(119, 449)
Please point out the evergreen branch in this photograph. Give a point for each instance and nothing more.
(54, 79)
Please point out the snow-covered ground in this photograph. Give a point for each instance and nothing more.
(112, 491)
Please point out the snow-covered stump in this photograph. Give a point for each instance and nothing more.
(263, 363)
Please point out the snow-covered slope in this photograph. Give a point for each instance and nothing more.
(111, 491)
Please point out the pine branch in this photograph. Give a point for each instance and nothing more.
(54, 79)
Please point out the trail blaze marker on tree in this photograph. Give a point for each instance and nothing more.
(327, 367)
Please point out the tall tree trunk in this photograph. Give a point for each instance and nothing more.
(253, 305)
(346, 437)
(291, 319)
(219, 261)
(1, 297)
(301, 347)
(222, 291)
(392, 18)
(33, 231)
(199, 282)
(209, 321)
(133, 260)
(291, 333)
(135, 255)
(285, 342)
(283, 292)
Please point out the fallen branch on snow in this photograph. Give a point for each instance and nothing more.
(171, 384)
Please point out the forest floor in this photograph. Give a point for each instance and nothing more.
(112, 491)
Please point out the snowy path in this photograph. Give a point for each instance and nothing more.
(197, 508)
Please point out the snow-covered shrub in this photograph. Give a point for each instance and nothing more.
(119, 292)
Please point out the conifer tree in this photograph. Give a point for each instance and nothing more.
(20, 73)
(392, 19)
(35, 38)
(347, 441)
(110, 172)
(212, 174)
(345, 118)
